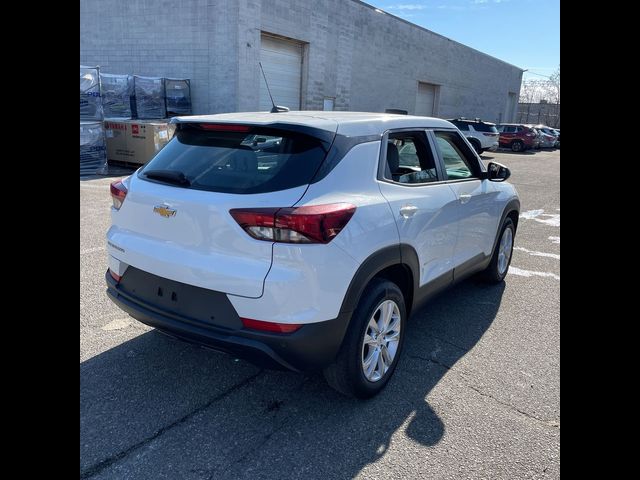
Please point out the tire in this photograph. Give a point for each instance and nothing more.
(517, 146)
(347, 374)
(476, 146)
(499, 266)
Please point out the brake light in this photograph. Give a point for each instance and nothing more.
(224, 127)
(118, 193)
(310, 224)
(270, 326)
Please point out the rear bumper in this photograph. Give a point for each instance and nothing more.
(311, 348)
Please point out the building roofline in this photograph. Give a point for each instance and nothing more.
(371, 7)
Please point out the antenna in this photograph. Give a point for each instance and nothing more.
(275, 108)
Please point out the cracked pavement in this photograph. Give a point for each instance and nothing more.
(476, 394)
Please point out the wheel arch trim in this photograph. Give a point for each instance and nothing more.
(399, 254)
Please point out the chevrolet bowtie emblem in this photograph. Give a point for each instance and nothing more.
(165, 211)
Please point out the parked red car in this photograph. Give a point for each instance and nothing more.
(516, 136)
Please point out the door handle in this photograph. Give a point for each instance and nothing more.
(408, 211)
(464, 198)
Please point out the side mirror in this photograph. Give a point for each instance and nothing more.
(496, 172)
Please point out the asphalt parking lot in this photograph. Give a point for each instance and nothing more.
(476, 394)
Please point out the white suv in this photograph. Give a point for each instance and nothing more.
(483, 136)
(304, 240)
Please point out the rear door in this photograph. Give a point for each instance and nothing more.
(182, 229)
(507, 134)
(423, 206)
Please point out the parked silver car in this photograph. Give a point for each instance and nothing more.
(549, 136)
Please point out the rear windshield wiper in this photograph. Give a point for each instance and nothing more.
(168, 176)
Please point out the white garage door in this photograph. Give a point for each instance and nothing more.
(282, 64)
(425, 101)
(511, 106)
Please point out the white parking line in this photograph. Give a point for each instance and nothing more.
(530, 273)
(538, 254)
(553, 220)
(117, 324)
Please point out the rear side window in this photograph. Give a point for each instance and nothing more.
(483, 127)
(410, 159)
(464, 127)
(236, 159)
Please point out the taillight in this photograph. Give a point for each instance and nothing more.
(270, 326)
(490, 134)
(311, 224)
(115, 276)
(118, 193)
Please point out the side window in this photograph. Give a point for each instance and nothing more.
(463, 127)
(410, 159)
(509, 129)
(458, 159)
(519, 129)
(408, 154)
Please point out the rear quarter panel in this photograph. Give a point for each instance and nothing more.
(307, 283)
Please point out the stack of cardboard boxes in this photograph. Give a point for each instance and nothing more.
(135, 142)
(127, 115)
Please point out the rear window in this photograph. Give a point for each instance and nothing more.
(483, 127)
(253, 160)
(461, 126)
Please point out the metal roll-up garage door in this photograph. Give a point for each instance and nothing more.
(425, 100)
(282, 64)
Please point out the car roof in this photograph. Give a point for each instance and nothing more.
(469, 120)
(344, 123)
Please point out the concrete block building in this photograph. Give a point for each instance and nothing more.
(316, 54)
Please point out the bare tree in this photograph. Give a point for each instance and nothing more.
(540, 100)
(553, 91)
(531, 93)
(554, 82)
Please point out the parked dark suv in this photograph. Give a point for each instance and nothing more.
(516, 136)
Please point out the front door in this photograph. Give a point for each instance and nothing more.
(422, 204)
(477, 210)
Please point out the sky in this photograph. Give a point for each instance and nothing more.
(525, 33)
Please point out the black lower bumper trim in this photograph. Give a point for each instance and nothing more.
(311, 348)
